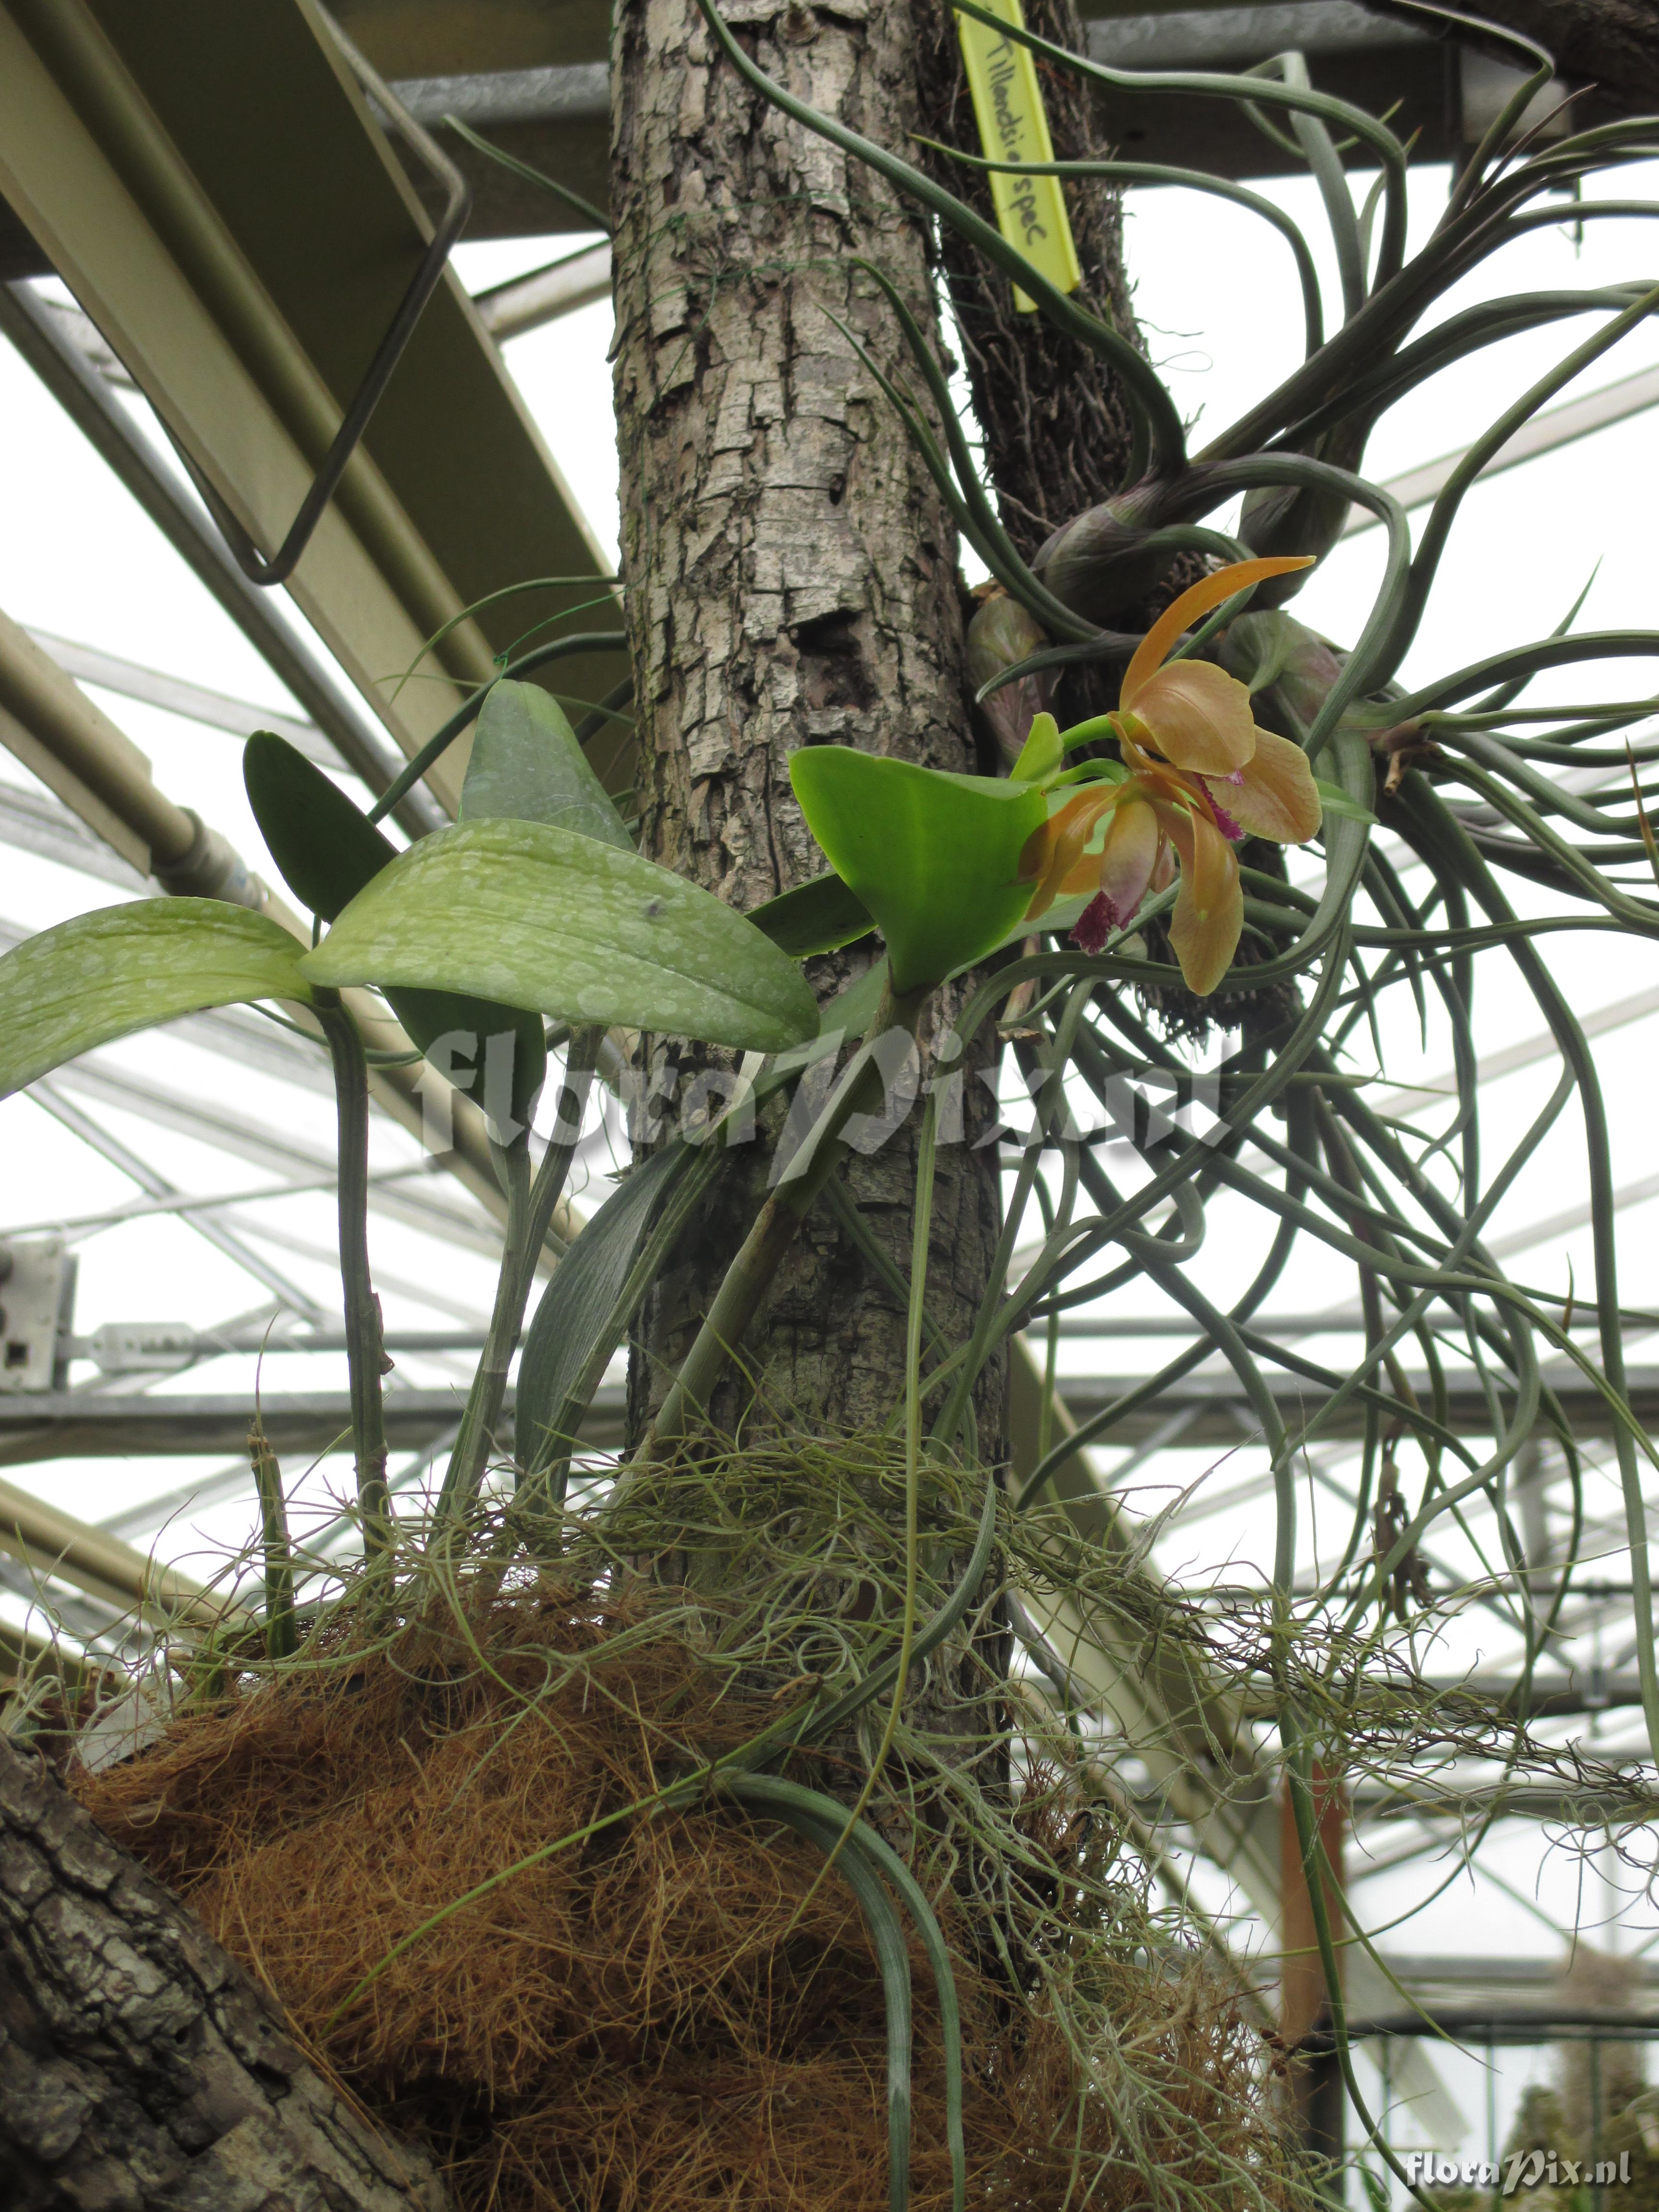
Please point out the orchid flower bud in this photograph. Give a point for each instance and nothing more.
(1290, 669)
(1000, 636)
(1287, 665)
(1098, 563)
(1284, 518)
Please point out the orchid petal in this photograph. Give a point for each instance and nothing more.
(1086, 874)
(1198, 716)
(1055, 849)
(1209, 907)
(1277, 797)
(1128, 856)
(1181, 614)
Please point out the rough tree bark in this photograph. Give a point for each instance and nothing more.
(140, 2068)
(792, 580)
(1056, 436)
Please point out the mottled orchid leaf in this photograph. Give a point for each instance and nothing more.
(328, 850)
(104, 975)
(541, 917)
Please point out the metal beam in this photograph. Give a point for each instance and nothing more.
(86, 1619)
(71, 1424)
(214, 710)
(1545, 433)
(1600, 1021)
(526, 303)
(53, 347)
(1200, 1761)
(36, 821)
(1379, 66)
(66, 1426)
(53, 1543)
(453, 41)
(1549, 1698)
(1224, 37)
(1474, 1977)
(571, 91)
(1219, 1401)
(154, 1185)
(432, 38)
(232, 1130)
(1507, 2025)
(243, 255)
(113, 1345)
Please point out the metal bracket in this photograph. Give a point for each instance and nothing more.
(387, 353)
(37, 1315)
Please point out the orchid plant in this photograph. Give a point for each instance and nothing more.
(941, 860)
(1234, 722)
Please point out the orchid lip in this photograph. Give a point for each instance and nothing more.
(1097, 922)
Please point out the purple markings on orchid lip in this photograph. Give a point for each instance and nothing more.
(1097, 922)
(1224, 823)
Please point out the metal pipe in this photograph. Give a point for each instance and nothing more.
(55, 730)
(575, 92)
(51, 1543)
(214, 710)
(525, 303)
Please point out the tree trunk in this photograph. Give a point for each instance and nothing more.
(1056, 436)
(792, 580)
(140, 2069)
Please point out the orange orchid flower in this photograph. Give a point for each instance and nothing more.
(1201, 777)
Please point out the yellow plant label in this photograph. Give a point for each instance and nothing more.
(1012, 127)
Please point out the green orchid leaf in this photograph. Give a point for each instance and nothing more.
(541, 917)
(1062, 918)
(584, 1313)
(328, 850)
(475, 1024)
(126, 968)
(852, 1011)
(935, 857)
(526, 765)
(820, 916)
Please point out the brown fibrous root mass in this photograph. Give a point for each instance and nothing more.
(677, 2012)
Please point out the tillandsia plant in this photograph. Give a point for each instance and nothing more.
(1038, 896)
